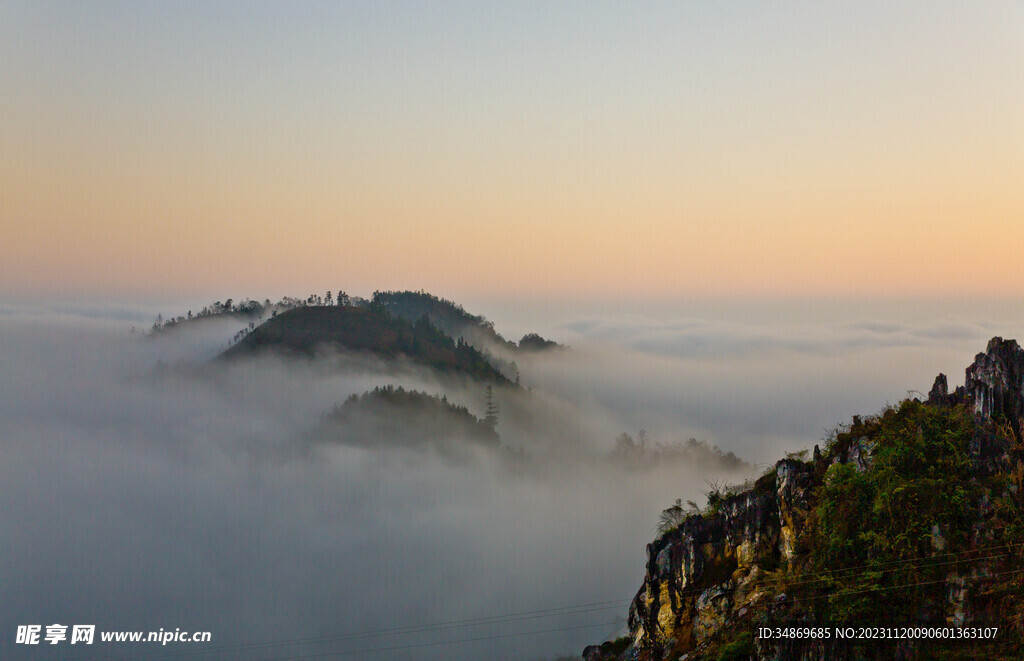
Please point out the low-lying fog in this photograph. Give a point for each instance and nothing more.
(145, 488)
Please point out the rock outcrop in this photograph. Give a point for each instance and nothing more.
(996, 379)
(701, 574)
(721, 575)
(939, 394)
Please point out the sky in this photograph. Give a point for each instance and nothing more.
(531, 150)
(749, 221)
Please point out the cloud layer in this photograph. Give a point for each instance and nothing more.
(147, 488)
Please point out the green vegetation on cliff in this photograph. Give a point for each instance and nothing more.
(910, 518)
(874, 528)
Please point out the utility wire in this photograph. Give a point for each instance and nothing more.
(915, 563)
(435, 644)
(386, 632)
(825, 575)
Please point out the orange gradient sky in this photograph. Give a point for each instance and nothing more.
(571, 149)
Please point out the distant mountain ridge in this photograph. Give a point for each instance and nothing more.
(391, 324)
(445, 315)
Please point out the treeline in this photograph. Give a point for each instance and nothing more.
(414, 304)
(453, 319)
(534, 342)
(399, 396)
(447, 315)
(641, 452)
(258, 310)
(303, 330)
(395, 415)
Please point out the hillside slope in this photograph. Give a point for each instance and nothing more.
(306, 330)
(453, 319)
(445, 315)
(394, 417)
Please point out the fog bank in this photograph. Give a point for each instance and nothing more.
(148, 488)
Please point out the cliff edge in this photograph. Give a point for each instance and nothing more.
(906, 523)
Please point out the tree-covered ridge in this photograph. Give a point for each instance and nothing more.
(395, 416)
(908, 504)
(534, 342)
(643, 453)
(453, 319)
(251, 309)
(447, 315)
(248, 309)
(305, 330)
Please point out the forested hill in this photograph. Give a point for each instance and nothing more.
(447, 316)
(306, 330)
(392, 417)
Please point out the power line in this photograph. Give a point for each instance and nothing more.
(438, 643)
(589, 626)
(921, 563)
(839, 573)
(387, 632)
(980, 549)
(767, 604)
(887, 588)
(824, 575)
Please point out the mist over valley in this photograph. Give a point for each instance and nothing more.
(293, 500)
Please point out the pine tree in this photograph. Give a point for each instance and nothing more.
(491, 414)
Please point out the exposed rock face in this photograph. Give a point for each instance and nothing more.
(699, 576)
(939, 394)
(706, 575)
(995, 381)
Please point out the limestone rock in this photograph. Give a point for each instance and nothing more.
(703, 577)
(939, 394)
(995, 381)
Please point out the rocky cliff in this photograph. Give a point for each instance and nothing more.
(906, 519)
(995, 380)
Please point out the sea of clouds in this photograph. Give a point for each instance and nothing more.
(147, 486)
